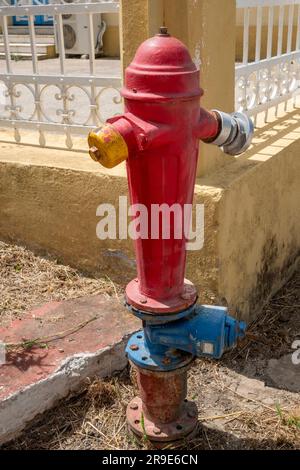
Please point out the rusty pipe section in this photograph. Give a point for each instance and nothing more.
(162, 394)
(162, 409)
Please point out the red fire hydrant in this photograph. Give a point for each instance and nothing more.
(158, 136)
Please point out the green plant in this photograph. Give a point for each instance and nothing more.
(290, 420)
(145, 437)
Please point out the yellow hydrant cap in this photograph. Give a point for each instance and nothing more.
(107, 146)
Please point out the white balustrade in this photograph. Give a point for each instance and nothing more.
(61, 102)
(265, 81)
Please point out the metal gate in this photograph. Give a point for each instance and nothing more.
(61, 101)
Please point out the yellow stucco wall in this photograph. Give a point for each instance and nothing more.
(252, 32)
(264, 38)
(259, 238)
(111, 38)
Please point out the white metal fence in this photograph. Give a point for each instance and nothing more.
(59, 101)
(272, 29)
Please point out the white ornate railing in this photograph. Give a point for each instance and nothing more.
(266, 82)
(58, 102)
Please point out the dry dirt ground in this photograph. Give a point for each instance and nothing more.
(27, 281)
(248, 400)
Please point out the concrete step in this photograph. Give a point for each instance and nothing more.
(25, 38)
(98, 349)
(24, 56)
(39, 30)
(19, 48)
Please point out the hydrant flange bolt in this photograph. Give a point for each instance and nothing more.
(155, 357)
(178, 303)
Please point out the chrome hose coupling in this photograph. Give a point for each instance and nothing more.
(236, 132)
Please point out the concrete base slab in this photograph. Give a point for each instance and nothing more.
(91, 334)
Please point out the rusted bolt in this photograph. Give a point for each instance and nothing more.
(166, 360)
(134, 406)
(143, 301)
(134, 347)
(175, 353)
(156, 431)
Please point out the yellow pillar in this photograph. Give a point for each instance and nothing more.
(213, 36)
(207, 27)
(139, 20)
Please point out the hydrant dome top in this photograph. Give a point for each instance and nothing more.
(163, 53)
(162, 69)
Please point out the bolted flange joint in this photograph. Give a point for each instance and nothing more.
(161, 355)
(208, 331)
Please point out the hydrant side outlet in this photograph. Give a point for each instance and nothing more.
(158, 137)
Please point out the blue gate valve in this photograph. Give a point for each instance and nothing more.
(208, 331)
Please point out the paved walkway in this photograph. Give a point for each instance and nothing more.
(104, 67)
(52, 107)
